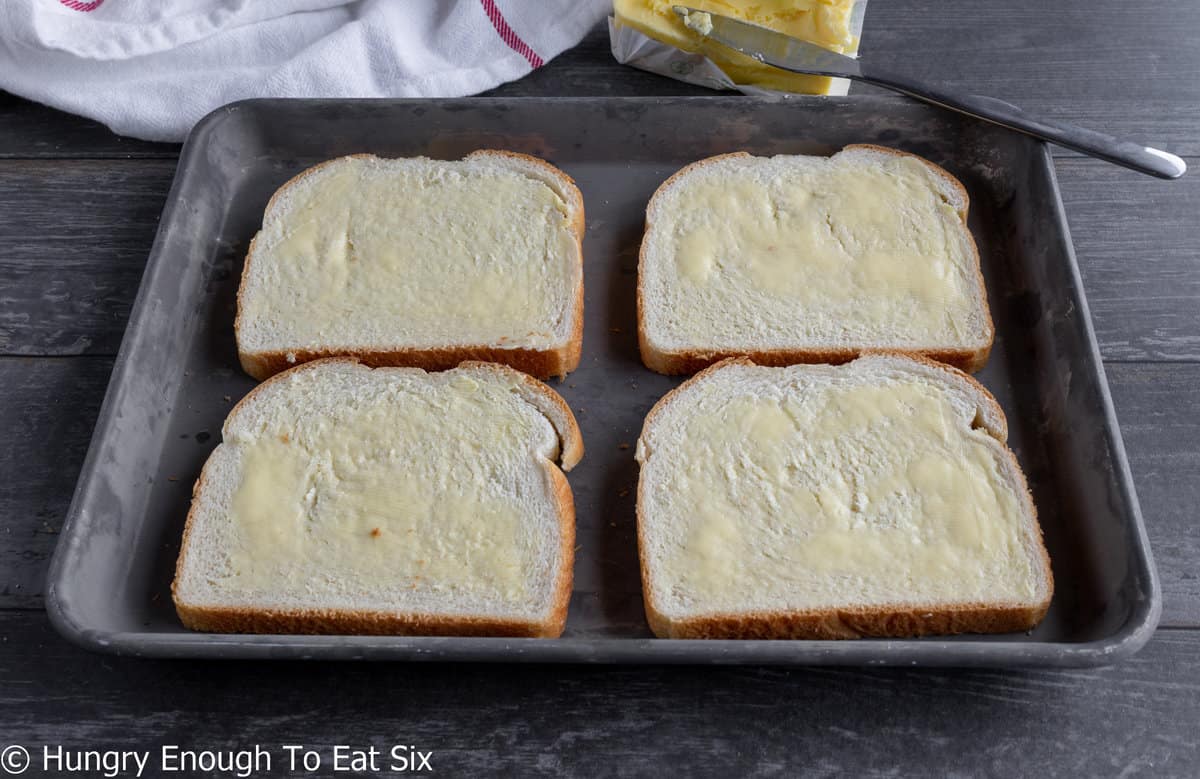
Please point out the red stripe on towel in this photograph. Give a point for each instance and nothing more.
(505, 32)
(80, 5)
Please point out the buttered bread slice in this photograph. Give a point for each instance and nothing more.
(417, 262)
(345, 499)
(876, 498)
(794, 259)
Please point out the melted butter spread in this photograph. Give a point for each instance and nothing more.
(870, 252)
(874, 488)
(397, 492)
(431, 257)
(828, 23)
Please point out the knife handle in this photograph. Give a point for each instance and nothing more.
(1126, 153)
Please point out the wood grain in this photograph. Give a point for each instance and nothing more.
(29, 129)
(1125, 69)
(49, 410)
(1136, 241)
(73, 243)
(1158, 407)
(1134, 720)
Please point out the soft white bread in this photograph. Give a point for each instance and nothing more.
(794, 259)
(417, 262)
(345, 499)
(876, 498)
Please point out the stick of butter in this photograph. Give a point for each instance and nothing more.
(833, 24)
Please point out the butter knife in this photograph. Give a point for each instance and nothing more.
(797, 56)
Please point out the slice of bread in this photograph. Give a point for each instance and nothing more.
(417, 262)
(345, 499)
(810, 259)
(876, 498)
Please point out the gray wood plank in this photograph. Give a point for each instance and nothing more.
(49, 410)
(29, 129)
(51, 404)
(1133, 720)
(1136, 241)
(73, 243)
(1125, 70)
(1128, 69)
(1158, 407)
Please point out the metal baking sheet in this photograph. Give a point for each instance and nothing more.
(177, 374)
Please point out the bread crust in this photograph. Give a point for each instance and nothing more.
(570, 438)
(684, 361)
(898, 621)
(541, 363)
(879, 620)
(243, 619)
(688, 361)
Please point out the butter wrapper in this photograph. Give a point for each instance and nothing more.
(632, 47)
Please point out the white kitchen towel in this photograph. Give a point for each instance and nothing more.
(152, 68)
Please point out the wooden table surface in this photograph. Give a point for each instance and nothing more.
(78, 211)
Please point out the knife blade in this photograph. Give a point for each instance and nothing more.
(788, 53)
